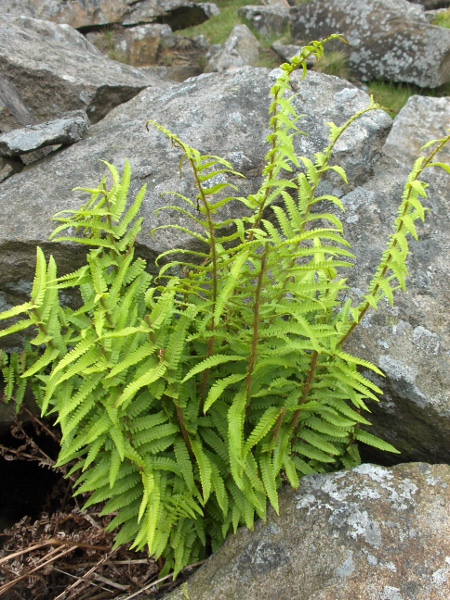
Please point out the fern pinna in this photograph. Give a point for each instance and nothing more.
(185, 401)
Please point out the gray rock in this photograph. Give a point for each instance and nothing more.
(241, 49)
(268, 20)
(411, 341)
(106, 12)
(175, 73)
(11, 101)
(141, 44)
(288, 51)
(371, 533)
(275, 2)
(65, 130)
(388, 39)
(421, 119)
(56, 70)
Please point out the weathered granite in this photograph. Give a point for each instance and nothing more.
(371, 533)
(422, 118)
(65, 130)
(11, 101)
(411, 341)
(89, 13)
(56, 70)
(268, 20)
(241, 49)
(388, 39)
(137, 46)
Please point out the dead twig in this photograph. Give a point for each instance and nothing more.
(81, 580)
(52, 542)
(54, 556)
(150, 585)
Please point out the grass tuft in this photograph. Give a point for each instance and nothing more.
(334, 63)
(442, 19)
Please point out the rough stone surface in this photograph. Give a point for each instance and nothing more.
(275, 2)
(267, 20)
(410, 342)
(371, 533)
(11, 102)
(141, 44)
(421, 119)
(388, 39)
(9, 167)
(65, 130)
(138, 46)
(241, 49)
(288, 51)
(56, 70)
(89, 13)
(175, 73)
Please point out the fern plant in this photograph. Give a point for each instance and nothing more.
(186, 400)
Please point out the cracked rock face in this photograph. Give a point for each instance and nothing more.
(56, 70)
(371, 533)
(388, 39)
(241, 49)
(420, 119)
(410, 342)
(66, 130)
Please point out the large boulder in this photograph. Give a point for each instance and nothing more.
(64, 130)
(371, 533)
(241, 49)
(56, 70)
(223, 114)
(138, 46)
(411, 341)
(421, 119)
(388, 39)
(268, 20)
(89, 13)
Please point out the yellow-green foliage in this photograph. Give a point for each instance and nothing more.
(442, 19)
(184, 401)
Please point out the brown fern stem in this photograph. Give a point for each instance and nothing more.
(256, 323)
(306, 388)
(280, 420)
(184, 432)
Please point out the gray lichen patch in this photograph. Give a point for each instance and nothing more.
(388, 39)
(372, 533)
